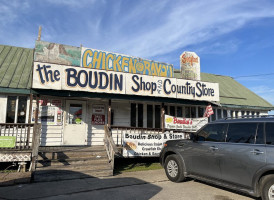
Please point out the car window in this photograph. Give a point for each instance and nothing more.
(213, 133)
(260, 134)
(269, 130)
(241, 133)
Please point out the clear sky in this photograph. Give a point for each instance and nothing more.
(233, 37)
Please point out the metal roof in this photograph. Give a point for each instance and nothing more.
(233, 94)
(15, 69)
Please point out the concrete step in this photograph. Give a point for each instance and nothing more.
(68, 175)
(74, 161)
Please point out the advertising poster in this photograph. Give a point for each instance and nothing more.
(185, 124)
(146, 145)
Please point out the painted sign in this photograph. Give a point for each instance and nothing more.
(57, 53)
(96, 59)
(51, 76)
(146, 145)
(185, 124)
(190, 66)
(98, 109)
(98, 119)
(7, 141)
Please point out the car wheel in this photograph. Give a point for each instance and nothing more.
(174, 168)
(267, 187)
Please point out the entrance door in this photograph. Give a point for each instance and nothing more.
(75, 132)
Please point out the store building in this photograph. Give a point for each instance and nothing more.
(80, 90)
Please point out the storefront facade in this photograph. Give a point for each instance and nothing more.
(80, 90)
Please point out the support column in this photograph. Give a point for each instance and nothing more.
(29, 118)
(109, 113)
(163, 117)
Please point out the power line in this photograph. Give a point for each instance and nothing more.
(254, 75)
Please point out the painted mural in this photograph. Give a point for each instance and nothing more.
(57, 53)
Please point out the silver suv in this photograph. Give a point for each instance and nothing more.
(234, 153)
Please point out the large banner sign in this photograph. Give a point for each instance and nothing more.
(59, 77)
(96, 59)
(185, 124)
(146, 145)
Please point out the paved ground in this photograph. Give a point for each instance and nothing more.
(133, 185)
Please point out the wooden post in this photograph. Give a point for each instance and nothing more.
(39, 33)
(109, 113)
(163, 117)
(29, 119)
(36, 110)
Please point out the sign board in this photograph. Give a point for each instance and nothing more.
(96, 59)
(56, 77)
(185, 124)
(98, 109)
(190, 66)
(98, 119)
(7, 141)
(146, 145)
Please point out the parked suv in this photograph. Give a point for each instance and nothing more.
(234, 153)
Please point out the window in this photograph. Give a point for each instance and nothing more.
(200, 112)
(187, 110)
(166, 110)
(157, 116)
(269, 130)
(225, 113)
(172, 110)
(213, 133)
(133, 115)
(190, 112)
(75, 114)
(16, 109)
(219, 113)
(241, 133)
(140, 115)
(136, 113)
(179, 112)
(213, 117)
(260, 134)
(149, 116)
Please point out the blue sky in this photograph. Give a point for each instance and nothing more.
(233, 38)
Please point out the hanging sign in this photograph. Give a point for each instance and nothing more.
(185, 124)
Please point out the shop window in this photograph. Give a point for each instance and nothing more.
(149, 116)
(213, 116)
(157, 116)
(140, 115)
(187, 112)
(133, 115)
(136, 115)
(166, 110)
(172, 110)
(219, 113)
(200, 111)
(112, 117)
(179, 112)
(16, 109)
(225, 113)
(192, 112)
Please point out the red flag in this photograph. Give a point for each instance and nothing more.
(208, 111)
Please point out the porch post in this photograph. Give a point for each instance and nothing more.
(29, 119)
(37, 109)
(109, 113)
(163, 117)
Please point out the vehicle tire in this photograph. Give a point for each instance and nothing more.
(174, 168)
(267, 187)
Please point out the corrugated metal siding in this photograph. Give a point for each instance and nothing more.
(232, 92)
(15, 67)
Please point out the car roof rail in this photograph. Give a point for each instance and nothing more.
(249, 116)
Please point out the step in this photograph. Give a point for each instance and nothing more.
(75, 161)
(70, 154)
(68, 175)
(74, 168)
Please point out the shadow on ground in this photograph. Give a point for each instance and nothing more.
(82, 188)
